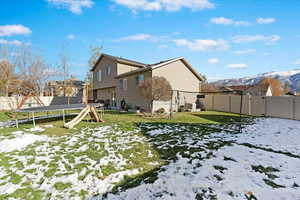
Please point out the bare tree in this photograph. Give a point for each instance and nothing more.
(156, 89)
(286, 87)
(8, 77)
(64, 59)
(206, 87)
(34, 72)
(275, 84)
(95, 54)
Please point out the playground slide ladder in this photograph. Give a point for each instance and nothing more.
(25, 98)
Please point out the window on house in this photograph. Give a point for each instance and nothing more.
(121, 84)
(108, 70)
(140, 79)
(100, 75)
(125, 84)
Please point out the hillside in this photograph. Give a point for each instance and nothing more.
(293, 77)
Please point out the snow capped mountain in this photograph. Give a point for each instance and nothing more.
(293, 77)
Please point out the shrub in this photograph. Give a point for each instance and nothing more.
(160, 111)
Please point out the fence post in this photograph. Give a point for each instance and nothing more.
(213, 102)
(265, 99)
(250, 106)
(171, 108)
(230, 103)
(294, 108)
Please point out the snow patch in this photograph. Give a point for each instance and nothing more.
(20, 142)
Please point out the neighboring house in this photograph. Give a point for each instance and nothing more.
(117, 79)
(56, 88)
(253, 90)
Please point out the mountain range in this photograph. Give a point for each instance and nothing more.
(292, 77)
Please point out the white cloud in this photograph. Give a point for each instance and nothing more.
(203, 44)
(168, 5)
(246, 51)
(213, 61)
(9, 30)
(144, 37)
(13, 42)
(254, 38)
(297, 62)
(227, 21)
(237, 66)
(71, 37)
(75, 6)
(265, 20)
(138, 37)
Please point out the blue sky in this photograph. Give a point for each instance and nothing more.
(220, 38)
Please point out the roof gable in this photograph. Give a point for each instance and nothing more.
(119, 60)
(162, 64)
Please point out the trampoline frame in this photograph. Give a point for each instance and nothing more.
(62, 108)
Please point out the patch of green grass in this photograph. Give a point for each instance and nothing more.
(15, 178)
(79, 167)
(272, 184)
(107, 170)
(127, 119)
(50, 172)
(25, 193)
(295, 185)
(231, 194)
(5, 161)
(83, 194)
(266, 170)
(19, 165)
(30, 171)
(219, 178)
(220, 168)
(270, 150)
(62, 186)
(188, 126)
(31, 161)
(229, 159)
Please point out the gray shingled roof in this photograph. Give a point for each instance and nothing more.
(120, 59)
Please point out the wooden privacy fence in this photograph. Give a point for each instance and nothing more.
(282, 107)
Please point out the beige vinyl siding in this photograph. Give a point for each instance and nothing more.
(132, 95)
(179, 76)
(105, 94)
(107, 80)
(123, 68)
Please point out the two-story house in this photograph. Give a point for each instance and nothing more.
(117, 79)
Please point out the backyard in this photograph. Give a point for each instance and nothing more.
(192, 156)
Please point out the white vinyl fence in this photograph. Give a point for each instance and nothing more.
(283, 107)
(11, 103)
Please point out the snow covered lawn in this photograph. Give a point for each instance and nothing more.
(150, 161)
(264, 159)
(77, 166)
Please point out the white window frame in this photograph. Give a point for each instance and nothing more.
(139, 80)
(108, 70)
(100, 75)
(125, 84)
(121, 84)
